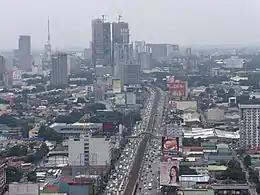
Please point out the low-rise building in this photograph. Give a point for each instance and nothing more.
(215, 114)
(76, 129)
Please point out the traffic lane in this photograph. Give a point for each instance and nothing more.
(153, 175)
(148, 160)
(122, 167)
(127, 162)
(149, 176)
(152, 179)
(143, 182)
(142, 149)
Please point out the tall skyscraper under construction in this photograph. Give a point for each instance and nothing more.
(120, 35)
(101, 42)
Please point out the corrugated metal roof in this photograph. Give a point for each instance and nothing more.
(194, 178)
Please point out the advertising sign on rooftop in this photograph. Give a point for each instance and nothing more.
(117, 86)
(169, 173)
(170, 144)
(177, 88)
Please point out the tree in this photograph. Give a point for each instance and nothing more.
(185, 170)
(77, 114)
(208, 90)
(31, 176)
(231, 92)
(49, 134)
(18, 150)
(95, 107)
(221, 92)
(258, 188)
(25, 130)
(13, 174)
(39, 154)
(247, 161)
(253, 175)
(234, 171)
(2, 101)
(65, 119)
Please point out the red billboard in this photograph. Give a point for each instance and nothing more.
(177, 88)
(170, 144)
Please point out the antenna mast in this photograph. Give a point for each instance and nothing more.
(49, 36)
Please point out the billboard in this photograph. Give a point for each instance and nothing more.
(170, 144)
(169, 173)
(116, 83)
(177, 88)
(110, 128)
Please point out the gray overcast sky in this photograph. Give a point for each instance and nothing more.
(173, 21)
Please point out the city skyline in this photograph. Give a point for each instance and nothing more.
(184, 23)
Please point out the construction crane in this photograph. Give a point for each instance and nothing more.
(119, 18)
(103, 17)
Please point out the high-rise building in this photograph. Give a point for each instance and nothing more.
(2, 70)
(249, 126)
(59, 70)
(188, 52)
(122, 56)
(120, 35)
(162, 52)
(2, 65)
(145, 60)
(101, 42)
(24, 53)
(132, 74)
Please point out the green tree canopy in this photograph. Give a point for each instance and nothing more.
(31, 176)
(49, 134)
(185, 170)
(40, 153)
(234, 171)
(253, 175)
(65, 119)
(95, 107)
(258, 188)
(18, 150)
(247, 161)
(13, 174)
(77, 114)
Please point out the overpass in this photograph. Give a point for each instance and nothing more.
(57, 153)
(143, 134)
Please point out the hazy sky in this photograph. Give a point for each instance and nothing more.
(182, 22)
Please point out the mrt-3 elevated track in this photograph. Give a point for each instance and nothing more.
(134, 173)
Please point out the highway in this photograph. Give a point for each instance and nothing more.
(149, 178)
(134, 173)
(119, 177)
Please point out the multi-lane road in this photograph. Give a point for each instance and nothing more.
(149, 178)
(148, 155)
(119, 180)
